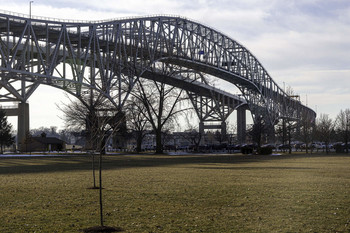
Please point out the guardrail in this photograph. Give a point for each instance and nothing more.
(42, 18)
(86, 21)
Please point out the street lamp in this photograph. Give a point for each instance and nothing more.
(30, 9)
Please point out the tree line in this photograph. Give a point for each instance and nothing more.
(154, 107)
(325, 130)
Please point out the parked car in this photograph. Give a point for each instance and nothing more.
(299, 146)
(284, 147)
(272, 146)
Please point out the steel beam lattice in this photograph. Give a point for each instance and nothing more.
(108, 56)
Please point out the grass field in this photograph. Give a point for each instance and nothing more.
(188, 193)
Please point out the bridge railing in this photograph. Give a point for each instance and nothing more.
(87, 21)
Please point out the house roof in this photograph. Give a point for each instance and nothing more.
(48, 140)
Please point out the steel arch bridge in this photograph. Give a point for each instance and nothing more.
(109, 56)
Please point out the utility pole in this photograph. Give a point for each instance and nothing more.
(306, 100)
(30, 9)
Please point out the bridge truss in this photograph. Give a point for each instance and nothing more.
(109, 56)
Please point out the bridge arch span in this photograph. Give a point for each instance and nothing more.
(109, 56)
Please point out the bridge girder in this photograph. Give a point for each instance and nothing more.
(108, 56)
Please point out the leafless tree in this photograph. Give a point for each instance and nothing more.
(107, 123)
(161, 104)
(28, 140)
(288, 124)
(81, 115)
(306, 124)
(219, 137)
(100, 120)
(91, 114)
(49, 131)
(342, 126)
(192, 133)
(66, 135)
(137, 122)
(324, 129)
(288, 128)
(258, 130)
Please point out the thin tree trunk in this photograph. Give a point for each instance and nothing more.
(100, 178)
(159, 146)
(139, 143)
(93, 170)
(289, 140)
(346, 147)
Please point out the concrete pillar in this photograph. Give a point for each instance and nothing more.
(299, 123)
(23, 123)
(241, 124)
(284, 131)
(201, 127)
(201, 131)
(223, 128)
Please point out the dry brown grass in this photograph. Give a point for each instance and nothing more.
(192, 193)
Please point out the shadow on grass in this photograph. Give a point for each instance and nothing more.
(77, 163)
(102, 229)
(254, 168)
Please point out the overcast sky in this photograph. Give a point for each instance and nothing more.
(304, 44)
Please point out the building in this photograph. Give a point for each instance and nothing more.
(43, 143)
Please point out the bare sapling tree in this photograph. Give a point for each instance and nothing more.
(107, 125)
(100, 120)
(342, 127)
(80, 115)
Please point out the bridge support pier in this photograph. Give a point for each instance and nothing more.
(241, 124)
(22, 113)
(23, 124)
(214, 111)
(221, 127)
(201, 127)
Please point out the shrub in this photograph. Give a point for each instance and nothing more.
(247, 149)
(265, 150)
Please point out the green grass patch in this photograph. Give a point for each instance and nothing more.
(190, 193)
